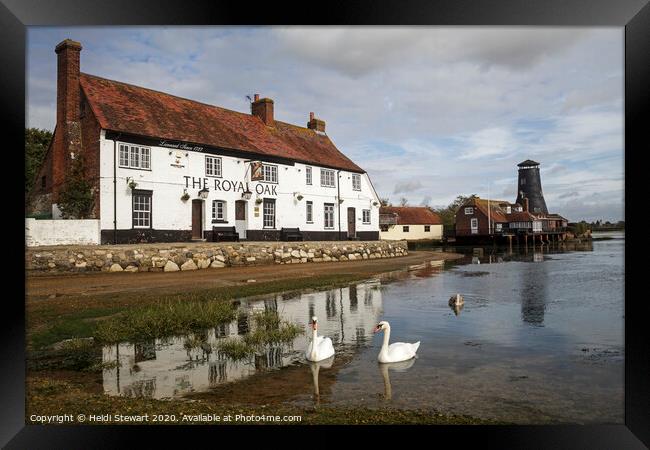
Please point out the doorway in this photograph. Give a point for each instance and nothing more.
(240, 218)
(352, 223)
(197, 219)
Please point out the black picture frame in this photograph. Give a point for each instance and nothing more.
(634, 15)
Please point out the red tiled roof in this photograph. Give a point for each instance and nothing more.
(521, 217)
(132, 109)
(412, 215)
(498, 212)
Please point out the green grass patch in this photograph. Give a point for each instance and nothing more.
(158, 316)
(61, 330)
(235, 349)
(166, 318)
(269, 329)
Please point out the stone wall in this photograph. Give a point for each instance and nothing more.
(193, 256)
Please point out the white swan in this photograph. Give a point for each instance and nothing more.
(398, 351)
(320, 347)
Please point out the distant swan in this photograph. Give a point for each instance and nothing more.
(320, 347)
(398, 351)
(456, 300)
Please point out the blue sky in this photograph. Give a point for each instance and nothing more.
(428, 112)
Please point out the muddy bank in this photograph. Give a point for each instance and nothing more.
(88, 284)
(58, 393)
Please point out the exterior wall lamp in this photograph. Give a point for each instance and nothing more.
(203, 193)
(247, 194)
(298, 196)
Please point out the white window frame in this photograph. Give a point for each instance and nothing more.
(328, 175)
(364, 213)
(469, 210)
(215, 163)
(498, 227)
(429, 228)
(328, 213)
(124, 155)
(308, 177)
(215, 210)
(270, 172)
(266, 214)
(309, 212)
(134, 156)
(146, 213)
(474, 225)
(356, 182)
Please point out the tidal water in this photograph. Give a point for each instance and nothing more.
(538, 340)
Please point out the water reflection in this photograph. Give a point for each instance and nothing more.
(533, 294)
(401, 366)
(172, 367)
(498, 255)
(315, 369)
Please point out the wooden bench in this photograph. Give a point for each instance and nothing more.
(220, 234)
(290, 234)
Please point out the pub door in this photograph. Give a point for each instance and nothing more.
(197, 219)
(241, 224)
(352, 223)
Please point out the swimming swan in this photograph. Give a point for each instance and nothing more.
(320, 347)
(456, 300)
(398, 351)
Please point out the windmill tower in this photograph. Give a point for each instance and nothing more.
(529, 186)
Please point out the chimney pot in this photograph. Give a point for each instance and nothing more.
(315, 124)
(263, 108)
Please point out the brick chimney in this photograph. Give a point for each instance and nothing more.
(263, 108)
(315, 124)
(526, 204)
(67, 137)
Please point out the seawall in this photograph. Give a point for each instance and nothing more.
(202, 255)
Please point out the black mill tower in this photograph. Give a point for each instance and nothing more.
(529, 186)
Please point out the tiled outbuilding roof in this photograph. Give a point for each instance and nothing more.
(498, 212)
(412, 215)
(136, 110)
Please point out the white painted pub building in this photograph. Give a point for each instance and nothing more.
(168, 169)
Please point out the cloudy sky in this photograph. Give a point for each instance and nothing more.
(428, 112)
